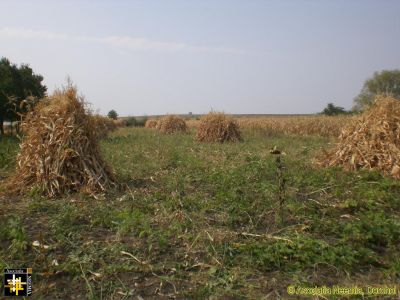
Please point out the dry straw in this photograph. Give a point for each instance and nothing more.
(119, 123)
(59, 151)
(217, 127)
(327, 126)
(151, 123)
(370, 142)
(103, 126)
(171, 124)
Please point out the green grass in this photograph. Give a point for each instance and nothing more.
(202, 220)
(8, 151)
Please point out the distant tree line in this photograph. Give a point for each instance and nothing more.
(20, 88)
(333, 110)
(385, 83)
(136, 122)
(129, 121)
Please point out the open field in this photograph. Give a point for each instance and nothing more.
(199, 220)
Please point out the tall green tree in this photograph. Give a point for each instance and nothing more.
(112, 114)
(17, 86)
(333, 110)
(6, 88)
(385, 83)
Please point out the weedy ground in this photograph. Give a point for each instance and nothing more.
(195, 221)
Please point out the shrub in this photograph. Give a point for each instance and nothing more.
(130, 122)
(112, 114)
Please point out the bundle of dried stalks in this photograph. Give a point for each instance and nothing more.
(151, 123)
(370, 142)
(217, 127)
(103, 126)
(119, 123)
(171, 124)
(59, 151)
(193, 123)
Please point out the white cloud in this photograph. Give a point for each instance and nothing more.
(31, 34)
(124, 42)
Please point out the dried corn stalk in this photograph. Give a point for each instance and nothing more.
(217, 127)
(370, 142)
(171, 124)
(59, 151)
(151, 123)
(327, 126)
(103, 126)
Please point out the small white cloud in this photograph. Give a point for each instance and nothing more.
(141, 43)
(124, 42)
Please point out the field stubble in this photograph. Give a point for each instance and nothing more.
(201, 220)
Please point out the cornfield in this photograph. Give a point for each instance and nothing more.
(297, 125)
(300, 125)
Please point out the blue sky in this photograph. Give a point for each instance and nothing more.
(166, 56)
